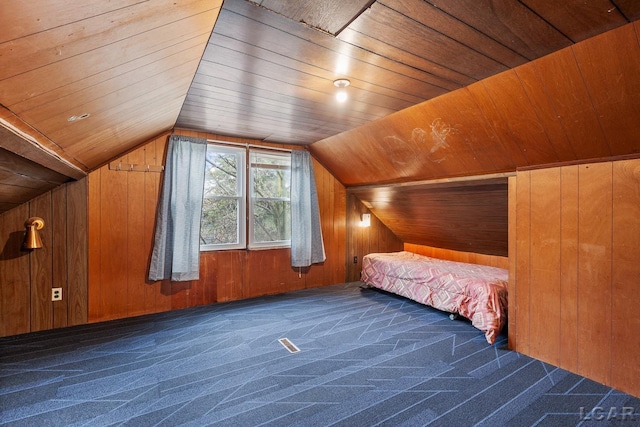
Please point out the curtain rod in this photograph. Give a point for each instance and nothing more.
(240, 144)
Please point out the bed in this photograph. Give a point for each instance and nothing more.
(477, 292)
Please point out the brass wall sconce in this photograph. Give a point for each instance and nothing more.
(32, 238)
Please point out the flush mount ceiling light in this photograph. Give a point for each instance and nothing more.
(341, 96)
(341, 83)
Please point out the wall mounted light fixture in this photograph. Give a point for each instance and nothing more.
(365, 220)
(32, 238)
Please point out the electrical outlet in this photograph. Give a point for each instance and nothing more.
(355, 259)
(56, 294)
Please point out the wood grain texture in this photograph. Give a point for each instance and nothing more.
(596, 207)
(451, 255)
(330, 16)
(545, 225)
(15, 284)
(520, 312)
(77, 218)
(594, 271)
(512, 336)
(575, 104)
(365, 240)
(265, 71)
(560, 75)
(60, 264)
(625, 316)
(122, 208)
(610, 76)
(569, 269)
(528, 135)
(510, 23)
(468, 216)
(40, 266)
(136, 266)
(579, 23)
(541, 102)
(94, 246)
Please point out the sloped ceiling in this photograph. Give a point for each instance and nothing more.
(579, 103)
(82, 83)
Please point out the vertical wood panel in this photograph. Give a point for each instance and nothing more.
(569, 269)
(59, 269)
(113, 229)
(41, 265)
(156, 297)
(364, 240)
(77, 253)
(544, 314)
(136, 246)
(513, 271)
(625, 315)
(340, 232)
(523, 262)
(594, 271)
(15, 293)
(94, 245)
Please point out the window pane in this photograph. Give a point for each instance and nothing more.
(222, 174)
(271, 175)
(271, 221)
(222, 224)
(270, 214)
(219, 223)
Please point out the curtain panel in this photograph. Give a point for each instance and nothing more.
(176, 248)
(307, 246)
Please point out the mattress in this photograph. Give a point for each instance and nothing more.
(477, 292)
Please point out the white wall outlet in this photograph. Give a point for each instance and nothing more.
(56, 294)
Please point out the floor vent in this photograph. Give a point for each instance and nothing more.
(289, 345)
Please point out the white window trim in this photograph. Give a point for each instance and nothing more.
(242, 203)
(251, 244)
(245, 212)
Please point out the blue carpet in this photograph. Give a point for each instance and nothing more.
(367, 358)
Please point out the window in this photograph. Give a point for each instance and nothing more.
(238, 208)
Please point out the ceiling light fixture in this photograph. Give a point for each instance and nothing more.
(341, 83)
(341, 95)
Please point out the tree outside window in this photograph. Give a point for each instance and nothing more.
(226, 205)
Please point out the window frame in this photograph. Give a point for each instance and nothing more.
(251, 243)
(246, 235)
(241, 188)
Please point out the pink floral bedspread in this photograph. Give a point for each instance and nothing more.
(477, 292)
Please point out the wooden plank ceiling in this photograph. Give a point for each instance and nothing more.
(81, 84)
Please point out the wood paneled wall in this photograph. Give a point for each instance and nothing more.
(27, 277)
(459, 256)
(122, 207)
(469, 215)
(576, 295)
(365, 240)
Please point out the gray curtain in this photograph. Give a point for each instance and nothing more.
(307, 246)
(176, 247)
